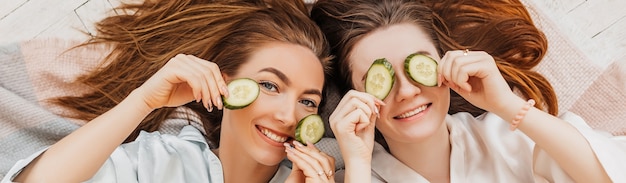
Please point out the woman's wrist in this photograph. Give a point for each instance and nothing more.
(510, 108)
(135, 98)
(358, 170)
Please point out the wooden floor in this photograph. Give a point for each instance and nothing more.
(595, 26)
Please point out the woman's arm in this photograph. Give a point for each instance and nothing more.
(353, 123)
(475, 76)
(80, 155)
(562, 141)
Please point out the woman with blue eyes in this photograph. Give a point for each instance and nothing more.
(178, 56)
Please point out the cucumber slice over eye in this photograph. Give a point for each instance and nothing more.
(310, 129)
(380, 78)
(242, 92)
(422, 69)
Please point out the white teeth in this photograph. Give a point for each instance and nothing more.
(273, 136)
(414, 112)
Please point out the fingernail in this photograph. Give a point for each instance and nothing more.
(377, 112)
(210, 107)
(440, 80)
(287, 145)
(225, 90)
(218, 99)
(298, 143)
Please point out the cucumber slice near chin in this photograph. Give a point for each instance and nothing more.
(380, 78)
(421, 69)
(310, 129)
(242, 92)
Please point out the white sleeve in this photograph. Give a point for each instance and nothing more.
(20, 165)
(153, 157)
(610, 151)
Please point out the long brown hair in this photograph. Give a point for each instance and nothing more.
(225, 32)
(503, 29)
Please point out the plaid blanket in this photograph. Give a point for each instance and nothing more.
(31, 73)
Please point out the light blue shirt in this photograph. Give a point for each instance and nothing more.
(156, 157)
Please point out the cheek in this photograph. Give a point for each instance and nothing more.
(357, 81)
(443, 94)
(383, 125)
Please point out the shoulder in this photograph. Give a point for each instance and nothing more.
(185, 156)
(488, 131)
(386, 168)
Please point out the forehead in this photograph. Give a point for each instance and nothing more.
(297, 62)
(395, 43)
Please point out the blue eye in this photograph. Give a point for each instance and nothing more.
(309, 103)
(269, 86)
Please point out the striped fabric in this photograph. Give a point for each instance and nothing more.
(32, 72)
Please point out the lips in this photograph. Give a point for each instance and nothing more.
(273, 136)
(412, 112)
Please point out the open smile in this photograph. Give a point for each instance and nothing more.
(413, 112)
(273, 137)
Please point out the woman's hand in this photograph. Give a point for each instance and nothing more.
(185, 78)
(353, 123)
(309, 164)
(475, 76)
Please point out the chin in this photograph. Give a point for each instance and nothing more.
(270, 158)
(415, 132)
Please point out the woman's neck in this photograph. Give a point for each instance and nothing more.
(239, 167)
(429, 157)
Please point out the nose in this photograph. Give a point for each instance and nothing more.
(405, 89)
(286, 112)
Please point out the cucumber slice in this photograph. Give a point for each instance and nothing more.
(421, 69)
(380, 78)
(242, 92)
(310, 129)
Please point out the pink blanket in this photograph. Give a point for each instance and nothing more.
(582, 87)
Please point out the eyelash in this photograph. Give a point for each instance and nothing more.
(272, 87)
(269, 86)
(311, 104)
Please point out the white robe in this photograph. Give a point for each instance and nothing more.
(485, 150)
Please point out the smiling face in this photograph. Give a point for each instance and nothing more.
(291, 79)
(413, 112)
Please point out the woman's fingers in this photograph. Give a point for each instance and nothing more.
(197, 79)
(214, 81)
(354, 96)
(205, 79)
(313, 163)
(327, 162)
(458, 67)
(356, 100)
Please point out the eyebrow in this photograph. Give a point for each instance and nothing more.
(286, 80)
(276, 72)
(313, 92)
